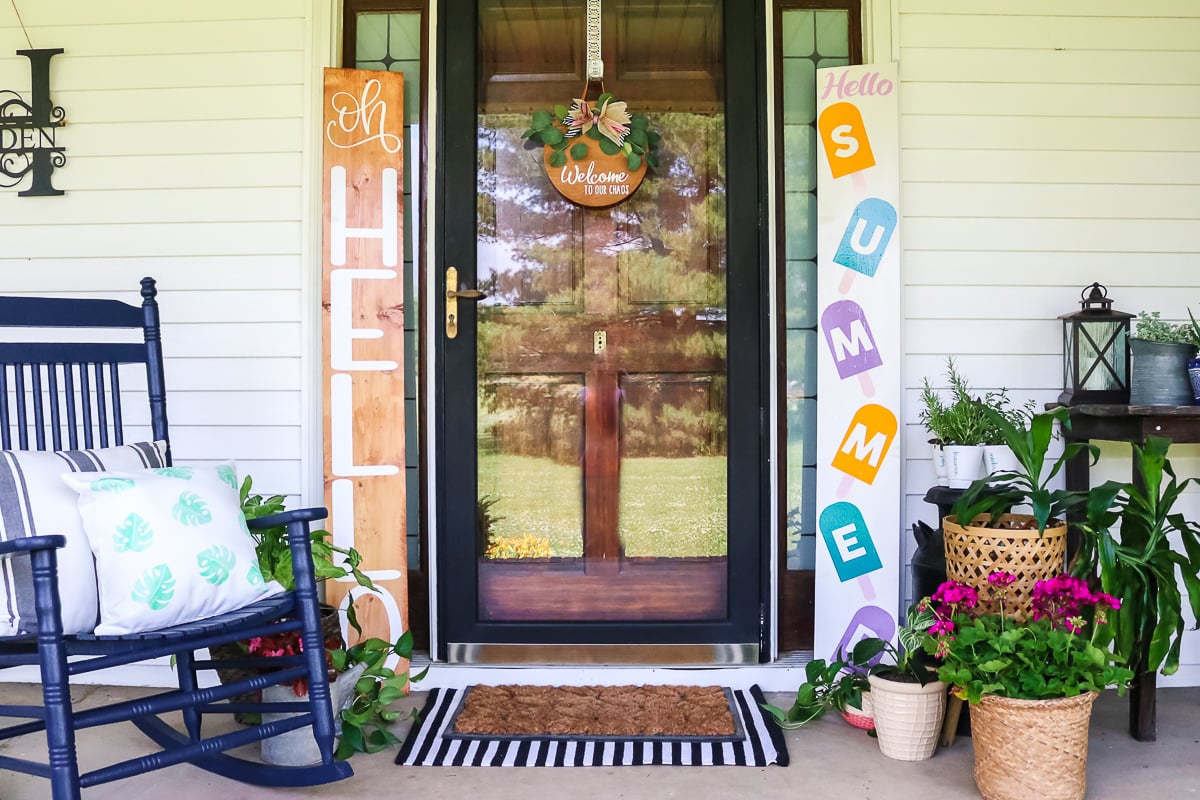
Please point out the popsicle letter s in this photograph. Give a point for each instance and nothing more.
(844, 137)
(866, 442)
(867, 235)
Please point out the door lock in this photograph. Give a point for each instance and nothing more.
(453, 293)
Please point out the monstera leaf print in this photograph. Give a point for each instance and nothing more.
(112, 485)
(254, 576)
(215, 564)
(191, 510)
(176, 472)
(155, 588)
(133, 534)
(227, 474)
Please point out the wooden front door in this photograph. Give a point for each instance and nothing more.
(601, 478)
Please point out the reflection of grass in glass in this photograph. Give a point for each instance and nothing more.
(536, 497)
(669, 506)
(674, 506)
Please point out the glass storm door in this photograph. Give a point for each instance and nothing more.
(601, 476)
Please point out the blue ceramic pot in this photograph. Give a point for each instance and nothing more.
(1194, 375)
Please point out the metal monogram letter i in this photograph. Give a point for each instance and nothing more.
(27, 130)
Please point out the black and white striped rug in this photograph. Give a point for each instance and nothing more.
(432, 743)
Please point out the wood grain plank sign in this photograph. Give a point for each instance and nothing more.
(363, 338)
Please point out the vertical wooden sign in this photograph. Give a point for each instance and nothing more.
(363, 339)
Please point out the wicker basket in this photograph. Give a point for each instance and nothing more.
(974, 552)
(1031, 748)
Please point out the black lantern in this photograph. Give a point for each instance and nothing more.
(1095, 351)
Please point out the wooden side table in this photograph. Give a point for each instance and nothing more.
(1130, 424)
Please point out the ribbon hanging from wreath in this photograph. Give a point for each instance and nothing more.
(596, 153)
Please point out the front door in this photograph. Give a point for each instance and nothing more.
(602, 479)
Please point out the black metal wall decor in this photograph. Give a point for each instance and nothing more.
(27, 130)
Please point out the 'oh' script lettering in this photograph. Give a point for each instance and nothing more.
(363, 117)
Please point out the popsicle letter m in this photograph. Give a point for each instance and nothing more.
(866, 442)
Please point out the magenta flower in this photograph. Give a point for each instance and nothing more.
(1001, 578)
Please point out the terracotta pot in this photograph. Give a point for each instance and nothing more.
(908, 717)
(973, 552)
(1031, 748)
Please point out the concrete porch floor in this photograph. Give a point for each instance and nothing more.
(829, 759)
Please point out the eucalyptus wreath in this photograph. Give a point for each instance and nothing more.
(606, 121)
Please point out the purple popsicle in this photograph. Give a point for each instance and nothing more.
(851, 344)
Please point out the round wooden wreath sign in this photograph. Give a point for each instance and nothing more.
(596, 155)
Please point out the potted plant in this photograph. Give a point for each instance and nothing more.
(997, 455)
(908, 701)
(982, 532)
(1031, 684)
(835, 684)
(1127, 540)
(361, 682)
(958, 426)
(1160, 352)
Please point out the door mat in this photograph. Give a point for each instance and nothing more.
(513, 726)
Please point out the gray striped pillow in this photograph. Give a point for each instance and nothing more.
(34, 501)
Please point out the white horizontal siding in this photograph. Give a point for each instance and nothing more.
(184, 142)
(1045, 146)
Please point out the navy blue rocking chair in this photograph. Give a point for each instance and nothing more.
(57, 392)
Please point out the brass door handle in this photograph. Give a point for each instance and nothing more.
(452, 295)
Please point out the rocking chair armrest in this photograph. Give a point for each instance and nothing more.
(286, 517)
(31, 543)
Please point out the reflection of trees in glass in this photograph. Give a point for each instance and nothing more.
(669, 237)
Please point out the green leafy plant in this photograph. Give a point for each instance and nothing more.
(1048, 656)
(275, 556)
(365, 721)
(828, 684)
(1154, 329)
(997, 494)
(1127, 539)
(606, 121)
(840, 682)
(960, 420)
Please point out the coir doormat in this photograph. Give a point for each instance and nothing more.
(593, 726)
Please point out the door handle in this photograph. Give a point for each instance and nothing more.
(452, 295)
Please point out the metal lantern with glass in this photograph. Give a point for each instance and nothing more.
(1095, 351)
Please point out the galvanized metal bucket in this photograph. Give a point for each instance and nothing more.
(1160, 375)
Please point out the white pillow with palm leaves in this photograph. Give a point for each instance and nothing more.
(171, 546)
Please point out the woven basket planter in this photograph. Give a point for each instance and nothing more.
(864, 718)
(908, 717)
(1031, 748)
(973, 552)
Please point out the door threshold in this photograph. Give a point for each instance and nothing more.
(780, 676)
(698, 655)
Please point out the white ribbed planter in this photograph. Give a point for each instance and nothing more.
(908, 717)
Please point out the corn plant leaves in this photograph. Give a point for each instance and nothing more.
(155, 588)
(191, 510)
(134, 534)
(216, 564)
